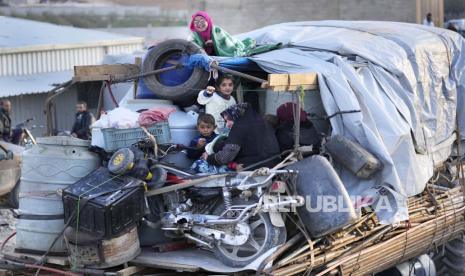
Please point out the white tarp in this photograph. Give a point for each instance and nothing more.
(406, 79)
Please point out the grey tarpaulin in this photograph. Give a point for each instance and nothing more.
(408, 81)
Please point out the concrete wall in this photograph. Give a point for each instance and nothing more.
(245, 15)
(435, 7)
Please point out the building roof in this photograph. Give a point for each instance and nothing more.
(35, 55)
(32, 84)
(21, 35)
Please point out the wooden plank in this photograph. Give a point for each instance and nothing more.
(106, 69)
(293, 88)
(130, 271)
(278, 79)
(292, 82)
(92, 78)
(303, 79)
(98, 78)
(104, 72)
(138, 63)
(279, 88)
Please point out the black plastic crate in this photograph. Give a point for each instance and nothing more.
(109, 204)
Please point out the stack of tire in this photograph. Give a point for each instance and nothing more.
(180, 85)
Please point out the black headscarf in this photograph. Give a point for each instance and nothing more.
(255, 137)
(236, 111)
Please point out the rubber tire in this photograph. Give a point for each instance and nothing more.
(276, 237)
(185, 92)
(452, 263)
(13, 197)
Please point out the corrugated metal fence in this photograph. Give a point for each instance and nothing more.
(47, 60)
(32, 105)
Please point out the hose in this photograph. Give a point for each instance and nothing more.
(54, 270)
(9, 264)
(6, 240)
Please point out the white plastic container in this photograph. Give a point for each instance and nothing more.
(47, 168)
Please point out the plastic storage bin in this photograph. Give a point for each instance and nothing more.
(114, 139)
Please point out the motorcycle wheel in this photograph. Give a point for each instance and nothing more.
(264, 236)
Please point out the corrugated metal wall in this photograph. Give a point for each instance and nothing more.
(54, 60)
(26, 63)
(65, 109)
(32, 105)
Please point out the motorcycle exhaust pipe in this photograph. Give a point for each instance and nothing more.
(196, 240)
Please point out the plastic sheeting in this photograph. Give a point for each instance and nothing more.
(406, 79)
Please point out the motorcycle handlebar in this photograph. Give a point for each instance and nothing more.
(25, 122)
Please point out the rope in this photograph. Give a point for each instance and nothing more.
(212, 71)
(153, 139)
(435, 223)
(113, 99)
(302, 97)
(309, 241)
(296, 115)
(357, 265)
(408, 226)
(6, 241)
(455, 214)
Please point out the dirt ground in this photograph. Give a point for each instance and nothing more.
(7, 227)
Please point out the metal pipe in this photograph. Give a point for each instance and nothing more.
(296, 123)
(179, 65)
(182, 185)
(227, 197)
(190, 237)
(100, 100)
(113, 99)
(243, 186)
(272, 173)
(231, 221)
(238, 74)
(267, 160)
(149, 73)
(47, 105)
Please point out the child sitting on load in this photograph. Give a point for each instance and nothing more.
(216, 101)
(205, 126)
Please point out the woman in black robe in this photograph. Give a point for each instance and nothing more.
(250, 139)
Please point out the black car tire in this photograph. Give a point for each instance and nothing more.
(158, 55)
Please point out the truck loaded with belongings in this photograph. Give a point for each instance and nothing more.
(380, 184)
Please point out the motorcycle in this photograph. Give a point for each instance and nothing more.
(10, 163)
(22, 136)
(237, 216)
